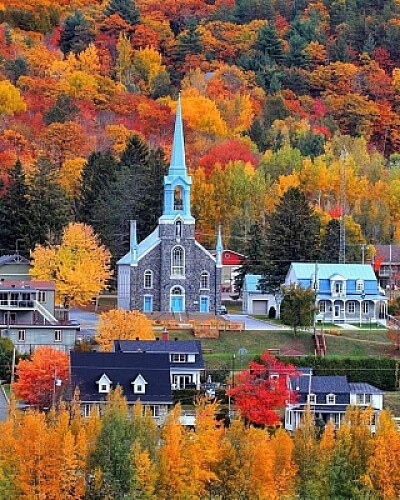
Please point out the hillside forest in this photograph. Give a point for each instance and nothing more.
(275, 94)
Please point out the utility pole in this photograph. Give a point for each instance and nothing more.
(342, 241)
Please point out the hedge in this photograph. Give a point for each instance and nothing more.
(380, 372)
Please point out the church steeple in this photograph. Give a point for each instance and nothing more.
(219, 248)
(178, 162)
(177, 183)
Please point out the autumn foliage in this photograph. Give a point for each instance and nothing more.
(260, 391)
(42, 379)
(119, 324)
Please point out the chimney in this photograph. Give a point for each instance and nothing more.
(165, 333)
(176, 338)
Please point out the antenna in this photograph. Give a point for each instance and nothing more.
(342, 240)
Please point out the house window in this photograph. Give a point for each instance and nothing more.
(360, 285)
(57, 335)
(205, 280)
(148, 279)
(312, 399)
(86, 410)
(315, 283)
(178, 261)
(139, 385)
(367, 399)
(351, 307)
(322, 306)
(338, 288)
(366, 307)
(21, 335)
(178, 229)
(41, 296)
(103, 388)
(178, 358)
(104, 384)
(330, 399)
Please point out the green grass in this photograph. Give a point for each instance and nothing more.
(348, 343)
(391, 401)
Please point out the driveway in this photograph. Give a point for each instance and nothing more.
(3, 406)
(254, 324)
(87, 320)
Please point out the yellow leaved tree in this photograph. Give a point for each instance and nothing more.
(11, 100)
(119, 324)
(80, 265)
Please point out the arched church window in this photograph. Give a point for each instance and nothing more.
(205, 280)
(148, 279)
(178, 229)
(178, 262)
(178, 198)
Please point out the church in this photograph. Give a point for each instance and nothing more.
(169, 271)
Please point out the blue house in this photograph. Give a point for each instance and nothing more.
(185, 358)
(328, 398)
(345, 293)
(142, 376)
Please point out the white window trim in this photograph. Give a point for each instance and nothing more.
(146, 274)
(41, 296)
(181, 267)
(21, 335)
(104, 384)
(351, 304)
(312, 399)
(332, 396)
(205, 274)
(365, 307)
(139, 385)
(360, 285)
(57, 336)
(322, 306)
(178, 358)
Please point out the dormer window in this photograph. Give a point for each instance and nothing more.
(330, 399)
(338, 286)
(104, 384)
(359, 285)
(139, 385)
(178, 198)
(312, 399)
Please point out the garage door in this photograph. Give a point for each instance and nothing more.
(260, 306)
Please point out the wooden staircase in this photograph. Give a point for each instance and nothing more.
(320, 343)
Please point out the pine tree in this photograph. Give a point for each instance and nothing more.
(269, 44)
(254, 262)
(296, 56)
(15, 213)
(126, 9)
(64, 110)
(292, 236)
(77, 34)
(50, 207)
(330, 242)
(97, 175)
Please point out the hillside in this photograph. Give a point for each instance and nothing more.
(272, 93)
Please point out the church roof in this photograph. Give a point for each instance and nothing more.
(151, 241)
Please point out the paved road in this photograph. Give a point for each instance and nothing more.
(254, 324)
(87, 320)
(3, 406)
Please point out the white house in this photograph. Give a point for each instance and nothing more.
(254, 301)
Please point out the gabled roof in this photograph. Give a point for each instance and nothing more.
(151, 241)
(329, 384)
(363, 388)
(163, 346)
(251, 282)
(306, 270)
(122, 369)
(384, 251)
(13, 259)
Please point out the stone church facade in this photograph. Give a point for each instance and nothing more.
(169, 271)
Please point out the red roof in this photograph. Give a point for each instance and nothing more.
(28, 285)
(231, 258)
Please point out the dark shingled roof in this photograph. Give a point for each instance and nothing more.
(363, 388)
(383, 251)
(321, 384)
(164, 346)
(122, 369)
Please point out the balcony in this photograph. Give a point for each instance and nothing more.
(17, 304)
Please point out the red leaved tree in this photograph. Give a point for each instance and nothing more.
(262, 390)
(43, 378)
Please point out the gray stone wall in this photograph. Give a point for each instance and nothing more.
(158, 260)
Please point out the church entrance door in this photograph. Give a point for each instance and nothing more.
(177, 300)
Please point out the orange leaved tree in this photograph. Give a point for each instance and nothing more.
(43, 378)
(119, 324)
